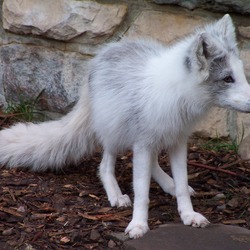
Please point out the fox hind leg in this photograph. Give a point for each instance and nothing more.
(141, 181)
(164, 180)
(107, 176)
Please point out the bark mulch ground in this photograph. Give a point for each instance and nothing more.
(69, 209)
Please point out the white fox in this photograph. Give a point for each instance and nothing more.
(146, 97)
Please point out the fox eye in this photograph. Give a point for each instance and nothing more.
(228, 79)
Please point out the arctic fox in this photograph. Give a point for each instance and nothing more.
(146, 97)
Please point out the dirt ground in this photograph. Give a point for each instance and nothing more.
(69, 209)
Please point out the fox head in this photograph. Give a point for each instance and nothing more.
(217, 60)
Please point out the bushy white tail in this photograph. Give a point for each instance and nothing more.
(50, 144)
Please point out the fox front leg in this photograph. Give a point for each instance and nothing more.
(178, 161)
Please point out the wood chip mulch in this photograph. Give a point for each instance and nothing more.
(69, 209)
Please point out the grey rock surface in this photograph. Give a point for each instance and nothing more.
(244, 148)
(180, 237)
(27, 71)
(239, 6)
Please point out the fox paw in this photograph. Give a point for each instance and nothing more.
(194, 219)
(171, 191)
(120, 201)
(136, 229)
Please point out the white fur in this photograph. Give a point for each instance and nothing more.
(145, 97)
(51, 144)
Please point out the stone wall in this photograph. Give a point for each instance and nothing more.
(45, 46)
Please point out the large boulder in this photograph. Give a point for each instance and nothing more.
(63, 19)
(29, 71)
(240, 6)
(165, 27)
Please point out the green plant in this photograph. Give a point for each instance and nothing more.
(24, 110)
(222, 143)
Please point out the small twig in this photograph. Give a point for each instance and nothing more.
(11, 194)
(10, 211)
(10, 115)
(233, 163)
(195, 164)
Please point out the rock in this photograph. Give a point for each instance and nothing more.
(187, 4)
(245, 56)
(244, 31)
(64, 19)
(29, 247)
(244, 148)
(94, 235)
(221, 207)
(111, 244)
(233, 203)
(239, 6)
(119, 236)
(214, 124)
(220, 196)
(179, 237)
(193, 156)
(27, 71)
(151, 24)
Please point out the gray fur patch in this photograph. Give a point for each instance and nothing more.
(218, 71)
(188, 63)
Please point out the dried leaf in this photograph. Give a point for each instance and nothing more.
(43, 216)
(61, 219)
(82, 193)
(6, 173)
(94, 196)
(65, 240)
(105, 209)
(69, 186)
(96, 217)
(193, 176)
(8, 232)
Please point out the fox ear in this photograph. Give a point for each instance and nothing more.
(226, 27)
(204, 49)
